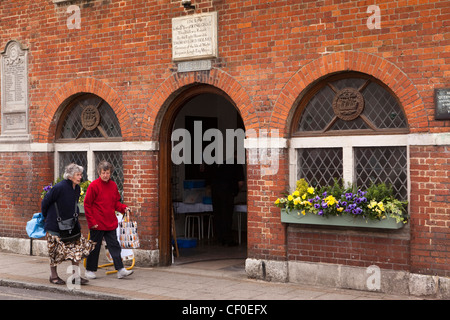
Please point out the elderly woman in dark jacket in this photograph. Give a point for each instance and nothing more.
(64, 195)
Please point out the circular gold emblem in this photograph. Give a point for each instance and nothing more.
(90, 118)
(348, 104)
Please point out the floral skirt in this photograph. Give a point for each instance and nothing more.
(59, 251)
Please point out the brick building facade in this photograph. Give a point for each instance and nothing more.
(272, 56)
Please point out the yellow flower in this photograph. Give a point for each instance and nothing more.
(340, 209)
(277, 201)
(297, 201)
(311, 190)
(290, 198)
(303, 212)
(330, 200)
(381, 206)
(296, 193)
(304, 196)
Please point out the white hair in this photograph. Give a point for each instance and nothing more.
(71, 169)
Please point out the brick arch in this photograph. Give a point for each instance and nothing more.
(67, 91)
(385, 71)
(179, 82)
(162, 109)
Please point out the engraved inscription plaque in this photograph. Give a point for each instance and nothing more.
(196, 65)
(442, 104)
(194, 37)
(14, 82)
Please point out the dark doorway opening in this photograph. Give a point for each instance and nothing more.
(190, 185)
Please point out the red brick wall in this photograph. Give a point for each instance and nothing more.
(430, 210)
(140, 170)
(126, 45)
(347, 248)
(23, 176)
(266, 233)
(270, 52)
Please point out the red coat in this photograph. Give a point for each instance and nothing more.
(100, 204)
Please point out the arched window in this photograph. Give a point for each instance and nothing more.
(350, 126)
(86, 127)
(89, 117)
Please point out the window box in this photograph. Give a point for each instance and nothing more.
(336, 205)
(295, 216)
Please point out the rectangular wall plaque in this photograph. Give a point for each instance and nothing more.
(14, 82)
(194, 37)
(442, 104)
(196, 65)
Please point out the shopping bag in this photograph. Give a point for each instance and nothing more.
(35, 227)
(128, 235)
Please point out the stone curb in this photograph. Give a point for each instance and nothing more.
(62, 289)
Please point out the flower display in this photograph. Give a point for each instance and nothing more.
(375, 203)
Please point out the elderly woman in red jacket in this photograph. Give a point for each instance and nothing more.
(100, 204)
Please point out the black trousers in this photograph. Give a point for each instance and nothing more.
(113, 248)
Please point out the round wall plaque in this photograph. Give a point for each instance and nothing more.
(90, 118)
(348, 104)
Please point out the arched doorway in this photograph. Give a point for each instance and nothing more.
(193, 112)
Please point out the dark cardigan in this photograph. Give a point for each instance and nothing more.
(65, 196)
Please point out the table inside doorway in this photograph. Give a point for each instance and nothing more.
(187, 208)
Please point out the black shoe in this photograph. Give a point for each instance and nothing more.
(82, 282)
(57, 280)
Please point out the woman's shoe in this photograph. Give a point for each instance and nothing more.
(57, 280)
(82, 281)
(122, 273)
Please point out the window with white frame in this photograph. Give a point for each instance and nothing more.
(88, 132)
(350, 126)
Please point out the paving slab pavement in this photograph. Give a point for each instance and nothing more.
(205, 280)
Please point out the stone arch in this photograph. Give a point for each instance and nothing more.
(67, 91)
(385, 71)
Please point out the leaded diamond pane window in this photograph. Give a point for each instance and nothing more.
(115, 158)
(349, 105)
(66, 158)
(382, 109)
(318, 115)
(382, 165)
(89, 116)
(320, 166)
(353, 103)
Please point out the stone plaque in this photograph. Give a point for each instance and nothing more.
(15, 121)
(14, 81)
(348, 104)
(442, 104)
(196, 65)
(194, 37)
